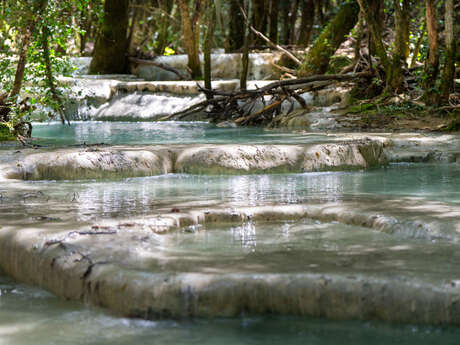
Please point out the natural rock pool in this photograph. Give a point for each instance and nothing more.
(371, 244)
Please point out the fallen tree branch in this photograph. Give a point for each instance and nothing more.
(228, 104)
(160, 65)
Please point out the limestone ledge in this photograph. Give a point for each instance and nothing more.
(111, 162)
(92, 271)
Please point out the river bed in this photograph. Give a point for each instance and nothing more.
(30, 315)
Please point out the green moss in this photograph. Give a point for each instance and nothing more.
(317, 60)
(5, 134)
(337, 63)
(360, 108)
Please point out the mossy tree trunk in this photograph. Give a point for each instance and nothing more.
(402, 21)
(307, 21)
(191, 20)
(432, 62)
(110, 52)
(236, 33)
(376, 7)
(392, 68)
(400, 48)
(448, 75)
(317, 59)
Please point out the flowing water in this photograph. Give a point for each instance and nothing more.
(29, 315)
(32, 316)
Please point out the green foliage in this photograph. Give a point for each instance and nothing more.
(53, 21)
(5, 133)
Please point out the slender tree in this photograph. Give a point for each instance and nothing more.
(32, 19)
(245, 55)
(307, 21)
(432, 62)
(447, 81)
(210, 26)
(274, 15)
(235, 33)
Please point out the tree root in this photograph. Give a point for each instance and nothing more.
(239, 105)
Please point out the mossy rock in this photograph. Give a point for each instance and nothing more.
(5, 134)
(337, 63)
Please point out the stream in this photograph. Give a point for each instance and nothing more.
(29, 315)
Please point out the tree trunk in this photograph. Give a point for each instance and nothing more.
(402, 18)
(274, 13)
(418, 44)
(166, 7)
(432, 61)
(376, 7)
(359, 39)
(375, 30)
(211, 23)
(293, 19)
(110, 53)
(191, 32)
(319, 11)
(399, 49)
(308, 18)
(245, 55)
(285, 7)
(448, 74)
(236, 34)
(23, 50)
(317, 59)
(259, 17)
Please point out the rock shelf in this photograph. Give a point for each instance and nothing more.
(121, 266)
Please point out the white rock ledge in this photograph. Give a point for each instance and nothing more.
(115, 273)
(110, 162)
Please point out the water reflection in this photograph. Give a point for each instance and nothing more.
(143, 196)
(124, 133)
(245, 235)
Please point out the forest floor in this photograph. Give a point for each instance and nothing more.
(388, 119)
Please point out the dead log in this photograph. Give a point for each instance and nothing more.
(228, 104)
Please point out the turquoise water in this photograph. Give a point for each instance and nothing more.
(32, 316)
(80, 132)
(29, 315)
(141, 196)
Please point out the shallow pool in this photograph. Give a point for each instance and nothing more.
(32, 316)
